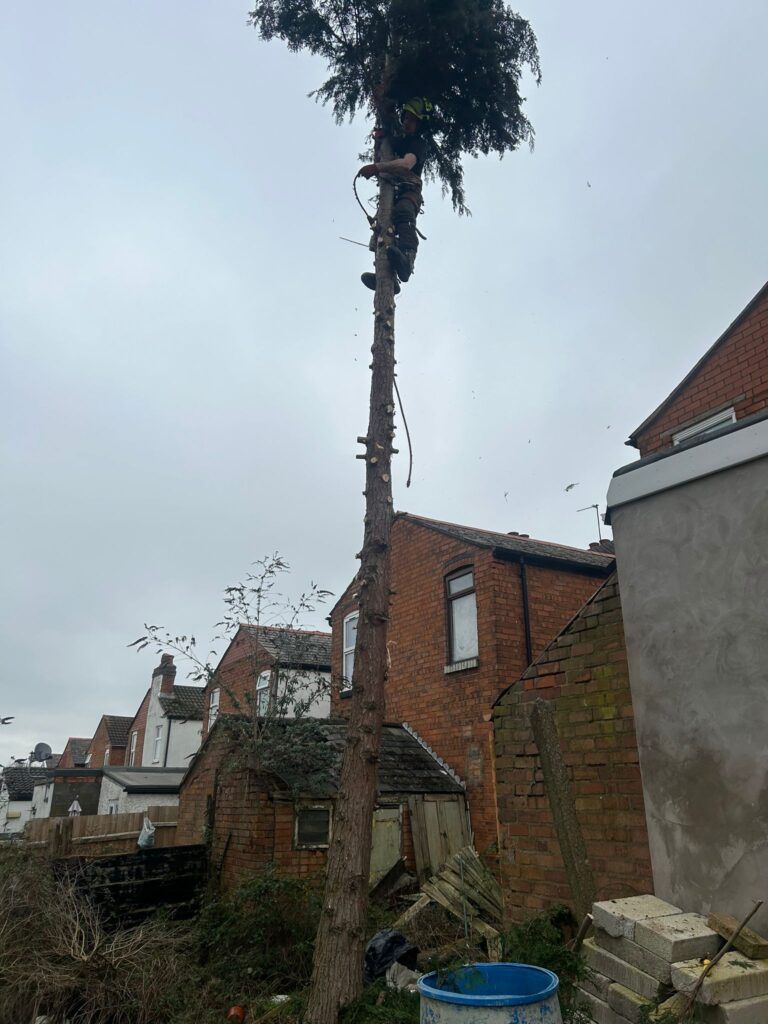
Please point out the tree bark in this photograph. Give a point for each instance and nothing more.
(337, 975)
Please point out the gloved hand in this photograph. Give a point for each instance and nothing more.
(368, 171)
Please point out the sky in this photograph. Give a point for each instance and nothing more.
(184, 340)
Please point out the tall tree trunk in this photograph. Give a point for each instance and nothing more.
(337, 971)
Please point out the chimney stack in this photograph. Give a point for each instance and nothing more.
(166, 670)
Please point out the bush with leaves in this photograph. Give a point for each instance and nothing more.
(539, 941)
(259, 938)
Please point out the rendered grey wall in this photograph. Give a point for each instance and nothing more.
(693, 574)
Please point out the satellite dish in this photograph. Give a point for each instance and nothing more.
(41, 752)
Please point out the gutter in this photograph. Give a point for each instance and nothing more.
(552, 562)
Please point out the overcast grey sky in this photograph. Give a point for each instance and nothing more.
(185, 340)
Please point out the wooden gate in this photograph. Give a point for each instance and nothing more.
(439, 829)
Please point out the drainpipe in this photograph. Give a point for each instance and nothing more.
(526, 612)
(167, 743)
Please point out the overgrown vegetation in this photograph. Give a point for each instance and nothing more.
(540, 941)
(57, 958)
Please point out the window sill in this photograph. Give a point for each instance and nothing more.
(461, 666)
(345, 694)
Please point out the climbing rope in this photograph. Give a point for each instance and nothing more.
(407, 434)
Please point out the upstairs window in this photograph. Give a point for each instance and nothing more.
(262, 692)
(132, 752)
(158, 741)
(720, 419)
(106, 757)
(313, 827)
(462, 616)
(350, 639)
(213, 706)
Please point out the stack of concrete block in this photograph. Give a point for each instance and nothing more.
(636, 943)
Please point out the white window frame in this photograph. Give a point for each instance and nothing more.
(158, 741)
(88, 759)
(106, 756)
(213, 706)
(469, 660)
(263, 690)
(718, 419)
(132, 751)
(112, 807)
(348, 652)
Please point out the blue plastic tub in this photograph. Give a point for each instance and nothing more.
(490, 994)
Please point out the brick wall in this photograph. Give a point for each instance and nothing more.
(236, 677)
(138, 726)
(584, 671)
(736, 374)
(253, 824)
(100, 744)
(66, 760)
(452, 712)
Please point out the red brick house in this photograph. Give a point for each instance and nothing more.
(258, 660)
(583, 673)
(109, 742)
(251, 819)
(75, 752)
(729, 383)
(470, 610)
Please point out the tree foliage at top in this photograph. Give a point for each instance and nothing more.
(466, 56)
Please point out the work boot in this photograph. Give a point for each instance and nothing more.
(401, 261)
(369, 280)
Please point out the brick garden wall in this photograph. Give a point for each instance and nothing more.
(584, 671)
(735, 374)
(452, 713)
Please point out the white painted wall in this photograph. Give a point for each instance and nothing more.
(174, 751)
(41, 800)
(127, 802)
(8, 811)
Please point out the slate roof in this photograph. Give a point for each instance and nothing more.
(78, 749)
(186, 702)
(754, 301)
(538, 550)
(405, 766)
(147, 780)
(20, 781)
(117, 729)
(294, 648)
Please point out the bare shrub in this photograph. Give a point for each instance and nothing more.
(58, 960)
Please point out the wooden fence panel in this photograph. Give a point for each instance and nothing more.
(100, 835)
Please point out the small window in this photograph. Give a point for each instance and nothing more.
(47, 792)
(350, 639)
(132, 752)
(262, 692)
(213, 706)
(158, 741)
(313, 826)
(462, 616)
(720, 419)
(88, 759)
(106, 757)
(112, 808)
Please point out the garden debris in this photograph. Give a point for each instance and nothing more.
(746, 941)
(402, 978)
(388, 947)
(468, 891)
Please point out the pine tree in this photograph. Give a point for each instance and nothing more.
(467, 57)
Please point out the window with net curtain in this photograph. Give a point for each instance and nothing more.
(462, 615)
(349, 641)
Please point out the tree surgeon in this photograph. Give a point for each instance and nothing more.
(410, 150)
